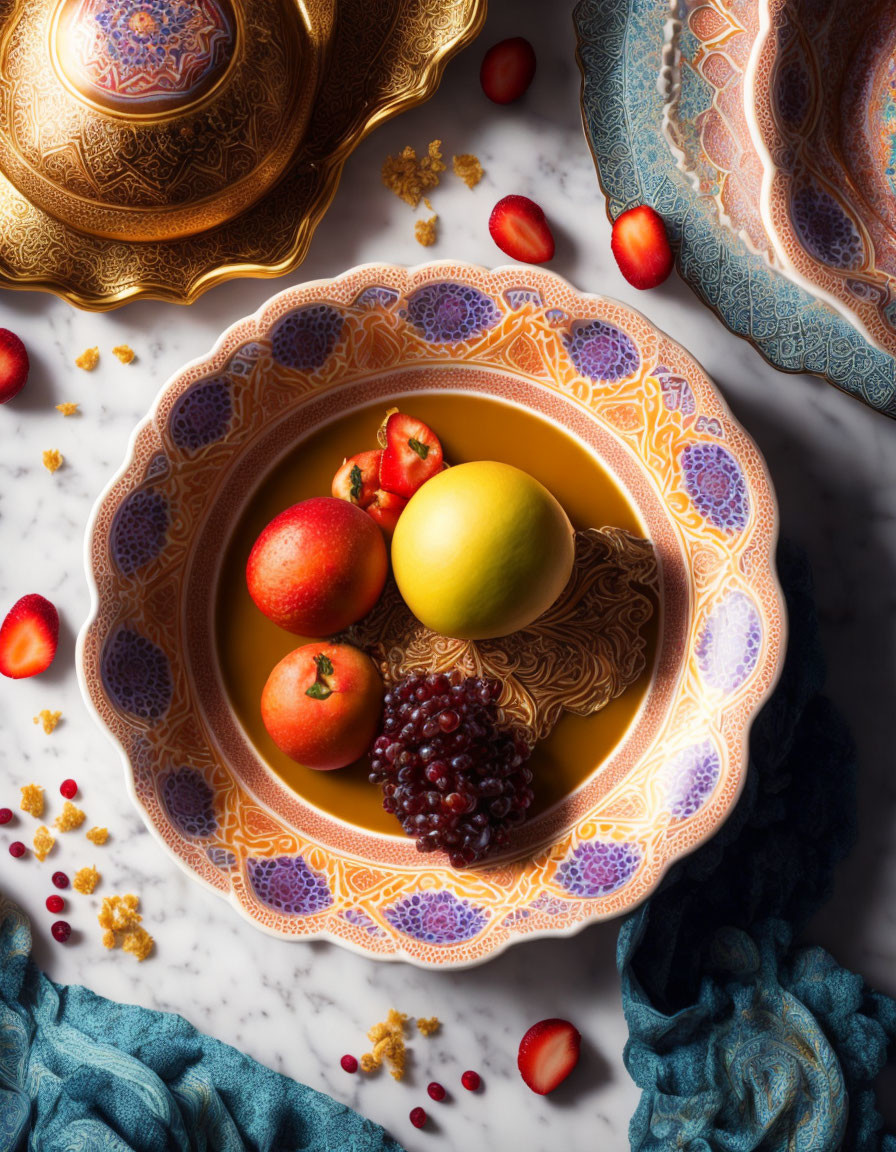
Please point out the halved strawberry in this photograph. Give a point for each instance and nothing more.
(641, 247)
(507, 70)
(385, 508)
(519, 228)
(13, 365)
(358, 478)
(28, 637)
(413, 455)
(548, 1053)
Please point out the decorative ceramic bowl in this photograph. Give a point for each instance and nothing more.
(668, 117)
(154, 149)
(514, 364)
(821, 97)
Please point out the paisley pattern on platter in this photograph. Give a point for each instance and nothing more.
(624, 48)
(578, 656)
(290, 867)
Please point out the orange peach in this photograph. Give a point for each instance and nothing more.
(322, 704)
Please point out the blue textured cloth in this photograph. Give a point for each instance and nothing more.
(82, 1074)
(738, 1039)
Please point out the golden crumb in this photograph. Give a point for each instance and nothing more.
(67, 409)
(48, 719)
(43, 842)
(388, 1046)
(52, 459)
(108, 939)
(410, 177)
(468, 168)
(425, 231)
(88, 359)
(139, 943)
(427, 1025)
(85, 880)
(33, 800)
(70, 818)
(124, 352)
(98, 835)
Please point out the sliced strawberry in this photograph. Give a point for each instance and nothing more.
(358, 478)
(413, 455)
(13, 365)
(641, 247)
(385, 508)
(519, 228)
(548, 1053)
(28, 637)
(507, 70)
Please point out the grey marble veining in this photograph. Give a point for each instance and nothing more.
(298, 1007)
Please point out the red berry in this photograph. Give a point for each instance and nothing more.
(413, 455)
(5, 815)
(69, 789)
(17, 849)
(418, 1117)
(13, 365)
(436, 1091)
(471, 1081)
(61, 931)
(28, 637)
(55, 904)
(507, 70)
(548, 1053)
(641, 247)
(349, 1064)
(60, 880)
(519, 228)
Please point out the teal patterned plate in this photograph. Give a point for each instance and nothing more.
(622, 51)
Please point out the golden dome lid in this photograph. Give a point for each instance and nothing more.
(156, 119)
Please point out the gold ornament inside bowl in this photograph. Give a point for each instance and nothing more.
(156, 119)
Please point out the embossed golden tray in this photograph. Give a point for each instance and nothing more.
(153, 148)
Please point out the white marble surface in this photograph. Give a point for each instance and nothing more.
(298, 1007)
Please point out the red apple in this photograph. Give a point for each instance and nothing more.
(318, 567)
(322, 704)
(358, 478)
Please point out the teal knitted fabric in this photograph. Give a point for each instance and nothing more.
(738, 1039)
(82, 1074)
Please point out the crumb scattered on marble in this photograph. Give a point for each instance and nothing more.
(425, 231)
(85, 880)
(52, 459)
(67, 409)
(410, 176)
(33, 800)
(48, 719)
(387, 1039)
(428, 1025)
(468, 168)
(98, 835)
(124, 352)
(88, 359)
(120, 922)
(43, 842)
(70, 818)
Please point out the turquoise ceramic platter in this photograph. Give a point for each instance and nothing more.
(626, 49)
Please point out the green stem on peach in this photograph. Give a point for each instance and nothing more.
(320, 689)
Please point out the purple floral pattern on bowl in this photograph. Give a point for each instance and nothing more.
(728, 647)
(136, 675)
(715, 482)
(449, 313)
(601, 351)
(376, 296)
(436, 917)
(287, 884)
(689, 779)
(139, 531)
(677, 393)
(599, 866)
(519, 297)
(827, 232)
(190, 802)
(201, 416)
(305, 338)
(222, 858)
(361, 920)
